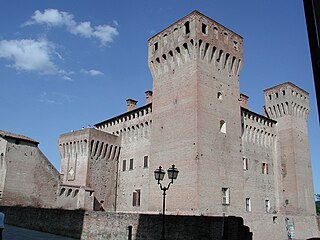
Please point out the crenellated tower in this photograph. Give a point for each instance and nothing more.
(289, 106)
(195, 65)
(89, 160)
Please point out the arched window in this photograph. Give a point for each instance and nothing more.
(223, 126)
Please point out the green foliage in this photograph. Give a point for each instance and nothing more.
(318, 204)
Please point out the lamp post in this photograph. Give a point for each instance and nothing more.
(159, 175)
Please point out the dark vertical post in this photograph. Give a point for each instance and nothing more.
(312, 14)
(163, 214)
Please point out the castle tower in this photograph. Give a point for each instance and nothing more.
(195, 65)
(289, 106)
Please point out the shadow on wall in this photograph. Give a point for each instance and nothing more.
(193, 227)
(62, 222)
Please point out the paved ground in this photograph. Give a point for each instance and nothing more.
(16, 233)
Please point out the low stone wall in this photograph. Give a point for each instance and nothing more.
(57, 221)
(101, 225)
(123, 226)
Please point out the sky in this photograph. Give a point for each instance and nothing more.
(65, 65)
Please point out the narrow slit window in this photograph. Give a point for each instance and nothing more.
(145, 161)
(124, 165)
(225, 196)
(265, 168)
(131, 164)
(245, 163)
(248, 205)
(267, 206)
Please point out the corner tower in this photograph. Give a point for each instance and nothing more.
(289, 105)
(195, 65)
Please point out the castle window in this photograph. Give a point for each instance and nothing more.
(187, 27)
(62, 191)
(155, 46)
(215, 32)
(264, 168)
(277, 95)
(165, 38)
(145, 161)
(235, 45)
(131, 164)
(267, 206)
(226, 39)
(69, 192)
(219, 95)
(245, 163)
(223, 126)
(136, 198)
(75, 193)
(283, 92)
(124, 165)
(1, 161)
(248, 205)
(270, 97)
(204, 28)
(225, 196)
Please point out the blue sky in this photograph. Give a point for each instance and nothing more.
(68, 64)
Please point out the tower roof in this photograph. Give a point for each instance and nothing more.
(5, 134)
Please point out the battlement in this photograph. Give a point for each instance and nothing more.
(286, 99)
(257, 129)
(195, 37)
(76, 148)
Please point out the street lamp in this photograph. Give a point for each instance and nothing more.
(159, 175)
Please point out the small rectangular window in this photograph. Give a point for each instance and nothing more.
(131, 164)
(124, 163)
(267, 206)
(225, 196)
(187, 27)
(265, 168)
(155, 46)
(136, 198)
(204, 28)
(245, 163)
(145, 162)
(248, 205)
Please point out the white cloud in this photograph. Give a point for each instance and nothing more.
(53, 17)
(92, 72)
(29, 55)
(57, 98)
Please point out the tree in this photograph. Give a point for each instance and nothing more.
(318, 204)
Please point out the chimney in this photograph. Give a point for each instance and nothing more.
(244, 101)
(131, 104)
(148, 96)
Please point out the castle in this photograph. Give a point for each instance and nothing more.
(232, 161)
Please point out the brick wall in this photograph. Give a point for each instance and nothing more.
(104, 225)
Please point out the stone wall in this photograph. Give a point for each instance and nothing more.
(57, 221)
(30, 178)
(105, 225)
